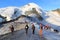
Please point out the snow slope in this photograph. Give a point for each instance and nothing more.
(29, 7)
(10, 13)
(54, 18)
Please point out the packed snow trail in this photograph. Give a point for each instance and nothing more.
(21, 35)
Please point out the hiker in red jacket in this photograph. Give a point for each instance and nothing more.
(33, 28)
(47, 27)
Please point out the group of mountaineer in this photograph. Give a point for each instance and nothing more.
(33, 28)
(27, 27)
(46, 27)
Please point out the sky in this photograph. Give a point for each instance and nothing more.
(44, 4)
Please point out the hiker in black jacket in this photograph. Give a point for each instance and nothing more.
(26, 28)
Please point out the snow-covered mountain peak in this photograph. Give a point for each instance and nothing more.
(31, 8)
(9, 13)
(33, 5)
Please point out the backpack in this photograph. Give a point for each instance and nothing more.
(26, 27)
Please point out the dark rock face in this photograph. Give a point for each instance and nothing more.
(58, 10)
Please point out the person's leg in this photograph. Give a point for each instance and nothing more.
(40, 32)
(26, 31)
(33, 31)
(12, 32)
